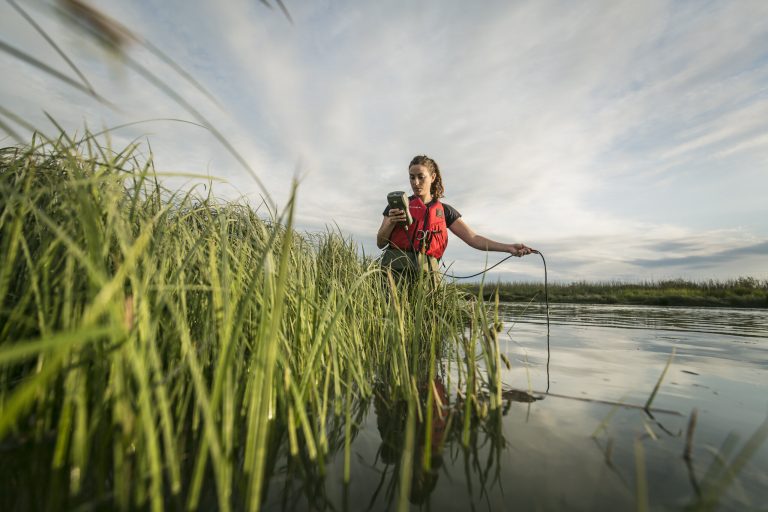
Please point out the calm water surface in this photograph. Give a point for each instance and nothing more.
(576, 447)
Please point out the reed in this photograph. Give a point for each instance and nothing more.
(166, 338)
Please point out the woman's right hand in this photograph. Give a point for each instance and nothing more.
(520, 250)
(396, 216)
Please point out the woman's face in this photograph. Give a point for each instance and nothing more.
(421, 180)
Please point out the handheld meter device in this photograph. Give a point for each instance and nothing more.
(399, 200)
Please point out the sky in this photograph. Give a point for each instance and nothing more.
(625, 140)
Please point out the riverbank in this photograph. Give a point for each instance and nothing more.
(745, 292)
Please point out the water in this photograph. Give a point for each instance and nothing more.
(575, 448)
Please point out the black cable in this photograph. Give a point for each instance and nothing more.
(546, 292)
(479, 273)
(546, 287)
(546, 302)
(546, 295)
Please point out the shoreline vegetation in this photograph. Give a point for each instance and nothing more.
(744, 292)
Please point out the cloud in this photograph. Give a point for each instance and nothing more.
(705, 260)
(592, 130)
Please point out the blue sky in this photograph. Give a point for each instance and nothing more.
(626, 140)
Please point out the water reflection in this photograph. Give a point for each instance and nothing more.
(749, 323)
(391, 424)
(568, 438)
(568, 433)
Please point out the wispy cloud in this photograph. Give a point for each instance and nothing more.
(596, 131)
(704, 260)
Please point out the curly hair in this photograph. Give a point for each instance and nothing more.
(437, 190)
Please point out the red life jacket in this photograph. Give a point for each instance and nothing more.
(427, 234)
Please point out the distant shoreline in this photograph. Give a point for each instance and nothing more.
(746, 292)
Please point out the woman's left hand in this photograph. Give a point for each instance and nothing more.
(519, 250)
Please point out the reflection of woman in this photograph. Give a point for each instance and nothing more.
(391, 422)
(428, 234)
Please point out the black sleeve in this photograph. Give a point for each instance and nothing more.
(451, 214)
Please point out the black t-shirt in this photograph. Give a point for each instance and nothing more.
(451, 213)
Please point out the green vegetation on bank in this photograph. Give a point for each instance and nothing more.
(745, 292)
(157, 346)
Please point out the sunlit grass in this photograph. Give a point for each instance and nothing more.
(162, 336)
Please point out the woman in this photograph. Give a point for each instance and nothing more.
(428, 234)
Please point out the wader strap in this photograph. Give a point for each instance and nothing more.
(424, 232)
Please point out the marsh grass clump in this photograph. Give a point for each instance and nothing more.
(158, 344)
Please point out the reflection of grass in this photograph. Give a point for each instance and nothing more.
(658, 382)
(722, 472)
(742, 292)
(721, 475)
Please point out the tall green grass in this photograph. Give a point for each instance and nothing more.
(152, 340)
